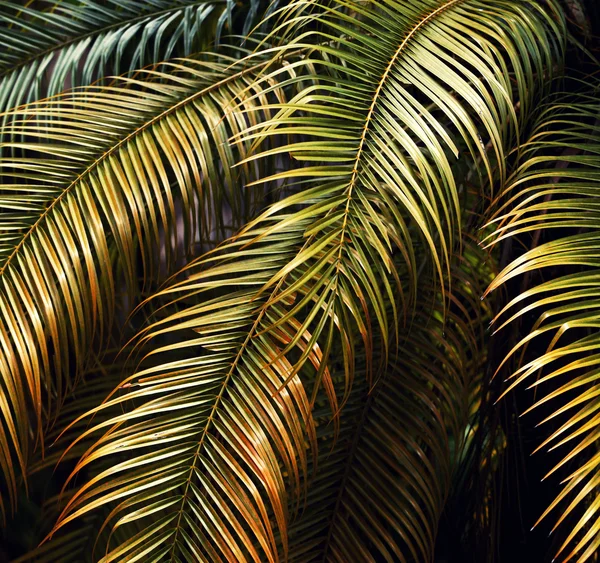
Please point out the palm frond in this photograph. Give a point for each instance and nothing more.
(412, 89)
(551, 199)
(52, 45)
(241, 367)
(108, 174)
(382, 484)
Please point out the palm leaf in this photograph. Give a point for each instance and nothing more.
(259, 321)
(416, 86)
(53, 45)
(393, 99)
(552, 196)
(382, 484)
(241, 386)
(105, 172)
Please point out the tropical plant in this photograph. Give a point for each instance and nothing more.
(249, 256)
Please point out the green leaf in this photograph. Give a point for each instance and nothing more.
(130, 168)
(53, 45)
(553, 194)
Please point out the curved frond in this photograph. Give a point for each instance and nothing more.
(416, 88)
(52, 45)
(304, 388)
(552, 199)
(382, 484)
(242, 372)
(260, 322)
(127, 171)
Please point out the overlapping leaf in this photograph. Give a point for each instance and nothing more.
(205, 452)
(51, 45)
(552, 199)
(241, 369)
(416, 87)
(108, 174)
(314, 279)
(379, 493)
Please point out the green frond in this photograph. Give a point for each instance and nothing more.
(242, 367)
(52, 45)
(552, 200)
(316, 278)
(113, 174)
(237, 425)
(406, 92)
(381, 485)
(281, 242)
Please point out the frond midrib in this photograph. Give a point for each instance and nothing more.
(369, 118)
(213, 412)
(383, 80)
(15, 67)
(352, 183)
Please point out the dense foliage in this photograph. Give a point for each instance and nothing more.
(278, 280)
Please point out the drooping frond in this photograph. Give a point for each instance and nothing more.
(552, 201)
(317, 280)
(51, 45)
(412, 89)
(242, 368)
(108, 177)
(379, 493)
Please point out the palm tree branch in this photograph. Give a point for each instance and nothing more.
(116, 147)
(553, 193)
(100, 30)
(369, 118)
(214, 408)
(48, 373)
